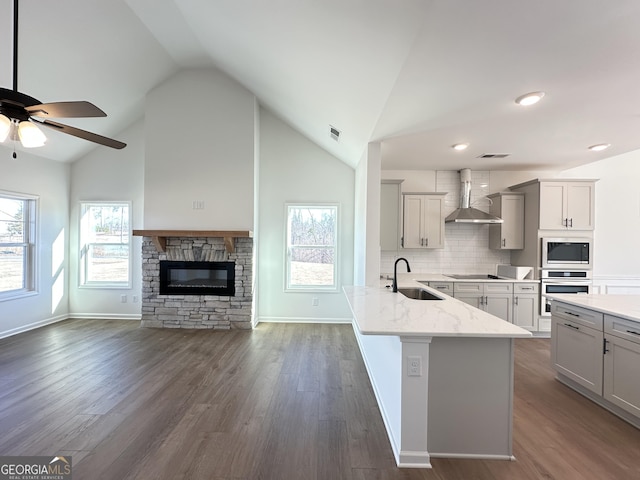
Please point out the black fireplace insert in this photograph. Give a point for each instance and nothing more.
(197, 278)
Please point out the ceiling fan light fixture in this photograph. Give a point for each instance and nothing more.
(30, 135)
(529, 98)
(599, 147)
(5, 127)
(460, 146)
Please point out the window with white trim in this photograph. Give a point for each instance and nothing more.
(105, 246)
(312, 247)
(17, 244)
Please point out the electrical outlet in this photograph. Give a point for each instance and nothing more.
(135, 299)
(315, 301)
(123, 298)
(414, 366)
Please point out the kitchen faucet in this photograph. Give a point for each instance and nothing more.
(395, 272)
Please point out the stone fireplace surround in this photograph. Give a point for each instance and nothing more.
(197, 311)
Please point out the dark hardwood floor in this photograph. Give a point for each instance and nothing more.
(281, 402)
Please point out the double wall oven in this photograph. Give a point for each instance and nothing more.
(565, 268)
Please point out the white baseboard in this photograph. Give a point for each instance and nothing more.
(33, 326)
(303, 320)
(60, 318)
(107, 316)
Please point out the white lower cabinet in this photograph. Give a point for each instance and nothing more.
(576, 353)
(495, 298)
(525, 305)
(622, 364)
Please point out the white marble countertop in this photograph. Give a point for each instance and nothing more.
(441, 277)
(379, 311)
(625, 306)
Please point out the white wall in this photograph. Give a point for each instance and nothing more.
(103, 175)
(49, 180)
(617, 233)
(293, 169)
(199, 146)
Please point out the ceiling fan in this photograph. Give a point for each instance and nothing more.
(20, 114)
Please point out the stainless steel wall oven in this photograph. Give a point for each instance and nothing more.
(563, 281)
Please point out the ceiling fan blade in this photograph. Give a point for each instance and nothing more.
(65, 110)
(76, 132)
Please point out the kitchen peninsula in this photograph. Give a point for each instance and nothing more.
(441, 370)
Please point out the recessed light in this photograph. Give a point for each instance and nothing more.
(599, 147)
(529, 98)
(460, 146)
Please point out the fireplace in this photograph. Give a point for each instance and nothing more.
(214, 309)
(197, 278)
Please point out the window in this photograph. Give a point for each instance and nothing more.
(17, 244)
(105, 259)
(312, 247)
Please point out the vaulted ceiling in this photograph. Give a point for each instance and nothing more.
(416, 75)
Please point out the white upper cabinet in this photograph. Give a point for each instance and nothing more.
(423, 220)
(567, 205)
(508, 235)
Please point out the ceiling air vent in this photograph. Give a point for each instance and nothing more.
(334, 133)
(493, 155)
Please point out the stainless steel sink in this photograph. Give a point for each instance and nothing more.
(418, 294)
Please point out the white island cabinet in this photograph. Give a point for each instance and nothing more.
(441, 370)
(595, 349)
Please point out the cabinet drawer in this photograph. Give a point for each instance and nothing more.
(467, 287)
(526, 287)
(623, 328)
(498, 287)
(444, 287)
(580, 315)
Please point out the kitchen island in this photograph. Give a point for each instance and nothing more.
(595, 349)
(441, 370)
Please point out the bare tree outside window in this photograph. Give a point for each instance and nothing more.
(104, 244)
(311, 246)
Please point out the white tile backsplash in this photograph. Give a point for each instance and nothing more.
(466, 246)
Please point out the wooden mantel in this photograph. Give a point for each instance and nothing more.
(159, 237)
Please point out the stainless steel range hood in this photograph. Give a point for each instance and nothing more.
(466, 213)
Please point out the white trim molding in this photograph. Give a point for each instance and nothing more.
(617, 284)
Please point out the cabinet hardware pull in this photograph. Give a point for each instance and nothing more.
(565, 223)
(441, 287)
(604, 346)
(402, 242)
(504, 242)
(633, 333)
(572, 314)
(571, 219)
(571, 326)
(426, 242)
(515, 299)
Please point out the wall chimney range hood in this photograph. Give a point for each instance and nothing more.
(466, 213)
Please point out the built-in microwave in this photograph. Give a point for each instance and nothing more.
(567, 253)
